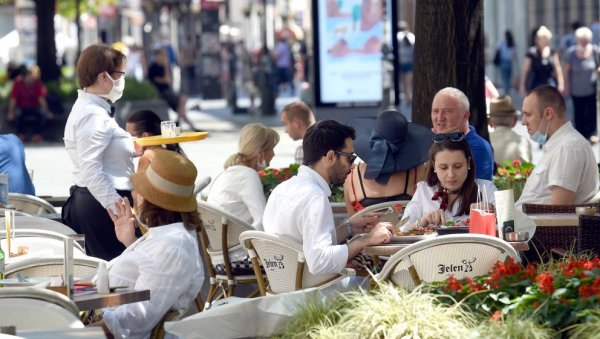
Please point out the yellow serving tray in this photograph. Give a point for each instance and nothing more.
(159, 140)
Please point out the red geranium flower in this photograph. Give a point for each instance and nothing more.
(546, 282)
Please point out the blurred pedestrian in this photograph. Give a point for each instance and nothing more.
(100, 151)
(28, 95)
(406, 43)
(581, 73)
(506, 143)
(12, 162)
(160, 76)
(284, 61)
(541, 65)
(507, 57)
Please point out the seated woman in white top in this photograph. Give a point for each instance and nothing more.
(450, 187)
(238, 189)
(166, 260)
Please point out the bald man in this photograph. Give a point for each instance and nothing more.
(567, 173)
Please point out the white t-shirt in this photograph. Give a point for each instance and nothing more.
(238, 190)
(421, 203)
(568, 162)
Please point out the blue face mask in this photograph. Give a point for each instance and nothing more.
(539, 137)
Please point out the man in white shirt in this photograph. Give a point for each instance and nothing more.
(567, 173)
(299, 207)
(297, 117)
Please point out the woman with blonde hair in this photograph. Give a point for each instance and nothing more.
(541, 65)
(238, 189)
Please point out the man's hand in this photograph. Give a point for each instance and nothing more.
(124, 221)
(365, 222)
(380, 233)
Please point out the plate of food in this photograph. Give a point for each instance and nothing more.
(414, 235)
(159, 140)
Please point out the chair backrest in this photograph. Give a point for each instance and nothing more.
(588, 234)
(39, 233)
(384, 207)
(541, 208)
(37, 308)
(435, 259)
(30, 204)
(84, 268)
(221, 227)
(16, 213)
(283, 261)
(33, 222)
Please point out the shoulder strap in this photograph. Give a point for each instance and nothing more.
(362, 187)
(406, 182)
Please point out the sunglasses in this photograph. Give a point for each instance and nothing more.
(351, 156)
(457, 136)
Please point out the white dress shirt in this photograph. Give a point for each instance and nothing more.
(100, 151)
(165, 261)
(238, 190)
(421, 203)
(299, 208)
(567, 161)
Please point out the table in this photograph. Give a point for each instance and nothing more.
(116, 298)
(390, 249)
(555, 219)
(92, 332)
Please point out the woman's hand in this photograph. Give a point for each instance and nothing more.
(436, 217)
(124, 221)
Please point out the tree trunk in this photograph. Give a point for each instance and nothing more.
(449, 52)
(46, 45)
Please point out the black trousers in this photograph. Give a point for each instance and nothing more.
(84, 214)
(585, 115)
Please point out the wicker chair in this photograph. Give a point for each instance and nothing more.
(30, 204)
(385, 207)
(16, 213)
(84, 268)
(284, 263)
(553, 238)
(587, 237)
(35, 237)
(435, 259)
(218, 238)
(37, 308)
(33, 222)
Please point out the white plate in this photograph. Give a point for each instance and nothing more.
(31, 281)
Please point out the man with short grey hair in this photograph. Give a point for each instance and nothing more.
(449, 114)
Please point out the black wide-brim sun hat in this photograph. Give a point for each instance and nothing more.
(413, 139)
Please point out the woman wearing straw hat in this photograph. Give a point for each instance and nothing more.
(166, 259)
(507, 144)
(394, 152)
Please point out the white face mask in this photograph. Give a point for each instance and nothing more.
(117, 89)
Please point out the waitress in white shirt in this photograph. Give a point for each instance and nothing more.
(101, 152)
(450, 187)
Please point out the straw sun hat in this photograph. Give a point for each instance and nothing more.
(168, 182)
(502, 107)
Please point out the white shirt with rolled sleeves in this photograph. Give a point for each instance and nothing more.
(101, 152)
(166, 261)
(239, 191)
(299, 208)
(421, 203)
(567, 161)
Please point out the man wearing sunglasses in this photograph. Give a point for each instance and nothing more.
(299, 207)
(567, 173)
(450, 115)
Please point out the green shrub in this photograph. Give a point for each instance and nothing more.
(135, 90)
